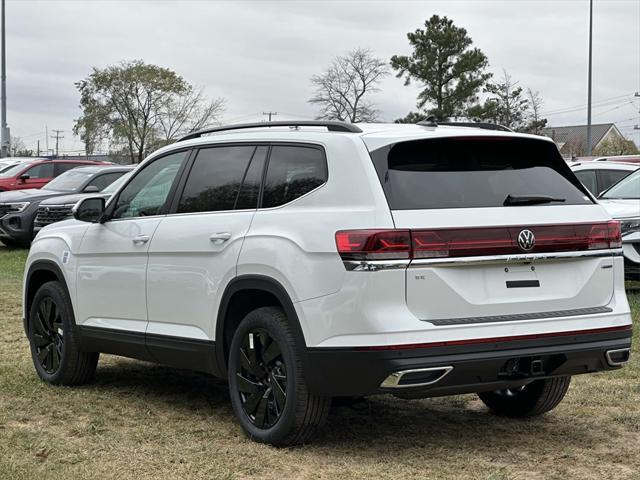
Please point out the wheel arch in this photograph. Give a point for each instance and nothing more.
(260, 291)
(39, 273)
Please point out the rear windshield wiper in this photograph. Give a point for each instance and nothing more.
(530, 200)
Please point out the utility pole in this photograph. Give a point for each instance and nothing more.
(57, 136)
(38, 151)
(5, 135)
(589, 87)
(270, 114)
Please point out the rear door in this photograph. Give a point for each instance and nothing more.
(477, 207)
(195, 249)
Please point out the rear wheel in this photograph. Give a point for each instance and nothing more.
(530, 400)
(53, 339)
(269, 395)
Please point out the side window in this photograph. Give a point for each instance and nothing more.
(248, 196)
(147, 193)
(292, 172)
(215, 178)
(609, 178)
(44, 170)
(65, 167)
(588, 179)
(103, 181)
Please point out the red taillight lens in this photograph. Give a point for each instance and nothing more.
(472, 242)
(373, 244)
(605, 235)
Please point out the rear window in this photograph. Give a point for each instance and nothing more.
(471, 172)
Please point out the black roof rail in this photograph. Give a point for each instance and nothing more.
(332, 126)
(483, 125)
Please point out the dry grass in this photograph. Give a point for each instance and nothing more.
(144, 421)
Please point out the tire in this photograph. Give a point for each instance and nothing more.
(268, 392)
(534, 399)
(53, 339)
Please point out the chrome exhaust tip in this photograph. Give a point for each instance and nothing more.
(618, 357)
(417, 377)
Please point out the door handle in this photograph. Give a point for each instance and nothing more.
(140, 239)
(219, 238)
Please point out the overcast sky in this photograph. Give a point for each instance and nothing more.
(259, 55)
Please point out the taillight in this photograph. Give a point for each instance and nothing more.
(373, 244)
(605, 235)
(472, 242)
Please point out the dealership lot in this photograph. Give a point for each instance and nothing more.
(138, 419)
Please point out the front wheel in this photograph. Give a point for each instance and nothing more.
(530, 400)
(55, 350)
(268, 392)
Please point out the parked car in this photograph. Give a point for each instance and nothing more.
(6, 163)
(599, 176)
(619, 158)
(59, 208)
(37, 174)
(622, 201)
(308, 260)
(18, 209)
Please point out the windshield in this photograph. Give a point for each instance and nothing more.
(111, 189)
(627, 188)
(12, 170)
(70, 181)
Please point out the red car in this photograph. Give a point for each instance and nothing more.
(37, 174)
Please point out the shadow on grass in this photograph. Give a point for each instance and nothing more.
(368, 429)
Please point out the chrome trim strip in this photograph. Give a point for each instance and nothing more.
(374, 265)
(393, 380)
(519, 258)
(619, 350)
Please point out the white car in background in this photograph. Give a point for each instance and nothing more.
(622, 201)
(600, 176)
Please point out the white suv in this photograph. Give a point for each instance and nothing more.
(310, 260)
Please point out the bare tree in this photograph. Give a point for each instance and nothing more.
(536, 122)
(18, 148)
(186, 113)
(341, 91)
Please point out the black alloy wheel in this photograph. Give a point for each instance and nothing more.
(48, 335)
(261, 378)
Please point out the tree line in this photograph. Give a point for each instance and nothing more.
(137, 107)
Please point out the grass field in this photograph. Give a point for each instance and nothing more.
(143, 421)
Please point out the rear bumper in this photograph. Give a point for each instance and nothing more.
(475, 367)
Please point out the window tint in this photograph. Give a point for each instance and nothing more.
(248, 196)
(44, 170)
(473, 172)
(103, 181)
(292, 172)
(215, 178)
(588, 179)
(65, 167)
(147, 193)
(609, 178)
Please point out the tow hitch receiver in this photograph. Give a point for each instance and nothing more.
(522, 367)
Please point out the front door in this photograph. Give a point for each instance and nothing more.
(112, 258)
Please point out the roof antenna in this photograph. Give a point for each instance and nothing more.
(430, 121)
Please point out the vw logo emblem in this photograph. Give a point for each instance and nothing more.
(526, 240)
(47, 209)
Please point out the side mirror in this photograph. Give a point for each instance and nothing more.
(24, 176)
(89, 209)
(91, 189)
